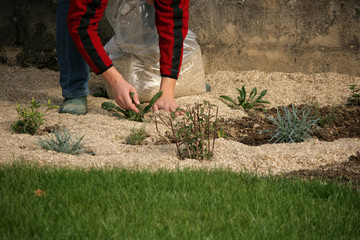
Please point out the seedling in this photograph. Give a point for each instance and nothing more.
(354, 99)
(130, 114)
(247, 103)
(136, 137)
(294, 126)
(30, 119)
(194, 134)
(62, 141)
(328, 119)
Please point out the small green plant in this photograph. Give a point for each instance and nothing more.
(221, 132)
(354, 99)
(294, 126)
(130, 114)
(62, 141)
(30, 118)
(328, 119)
(195, 133)
(136, 137)
(247, 103)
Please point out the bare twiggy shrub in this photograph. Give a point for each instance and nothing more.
(194, 133)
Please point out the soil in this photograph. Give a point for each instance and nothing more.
(345, 172)
(331, 153)
(334, 123)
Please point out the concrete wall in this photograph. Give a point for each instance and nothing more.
(268, 35)
(279, 35)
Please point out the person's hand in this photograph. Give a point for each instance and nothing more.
(167, 100)
(150, 2)
(121, 93)
(121, 90)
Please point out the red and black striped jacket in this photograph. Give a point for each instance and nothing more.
(171, 20)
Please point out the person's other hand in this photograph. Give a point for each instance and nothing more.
(167, 100)
(166, 103)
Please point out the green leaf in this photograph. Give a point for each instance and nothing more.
(152, 101)
(262, 94)
(241, 100)
(108, 106)
(243, 92)
(263, 101)
(132, 96)
(228, 99)
(246, 105)
(122, 111)
(118, 115)
(252, 94)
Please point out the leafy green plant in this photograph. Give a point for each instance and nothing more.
(30, 118)
(247, 103)
(195, 133)
(327, 119)
(354, 99)
(136, 137)
(294, 126)
(130, 114)
(62, 141)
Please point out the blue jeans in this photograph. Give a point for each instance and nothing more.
(74, 71)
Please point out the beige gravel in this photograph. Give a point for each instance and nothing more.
(105, 135)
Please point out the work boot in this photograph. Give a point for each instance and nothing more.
(77, 106)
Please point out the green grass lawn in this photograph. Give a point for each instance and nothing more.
(122, 204)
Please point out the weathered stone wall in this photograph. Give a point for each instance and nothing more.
(279, 35)
(268, 35)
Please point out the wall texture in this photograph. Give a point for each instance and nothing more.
(279, 35)
(269, 35)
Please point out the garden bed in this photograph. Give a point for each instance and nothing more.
(334, 123)
(246, 148)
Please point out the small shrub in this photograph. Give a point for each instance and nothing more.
(195, 133)
(62, 141)
(354, 99)
(247, 103)
(30, 118)
(294, 126)
(136, 137)
(129, 114)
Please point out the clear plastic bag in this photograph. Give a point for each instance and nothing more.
(135, 52)
(133, 22)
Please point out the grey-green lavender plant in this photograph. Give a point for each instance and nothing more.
(62, 141)
(294, 126)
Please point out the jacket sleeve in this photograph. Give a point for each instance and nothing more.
(171, 18)
(83, 20)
